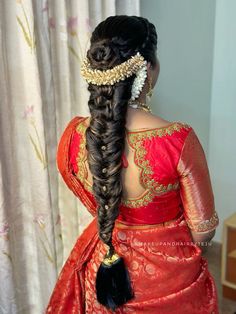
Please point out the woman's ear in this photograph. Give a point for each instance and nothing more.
(149, 69)
(149, 66)
(155, 72)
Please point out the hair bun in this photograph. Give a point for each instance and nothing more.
(102, 55)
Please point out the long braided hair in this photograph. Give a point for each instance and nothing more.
(113, 41)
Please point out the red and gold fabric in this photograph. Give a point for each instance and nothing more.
(152, 233)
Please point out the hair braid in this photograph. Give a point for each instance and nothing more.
(113, 41)
(107, 129)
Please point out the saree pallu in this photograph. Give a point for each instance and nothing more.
(167, 272)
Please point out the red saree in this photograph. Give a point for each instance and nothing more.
(152, 233)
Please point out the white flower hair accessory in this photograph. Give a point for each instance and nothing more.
(134, 65)
(139, 80)
(115, 74)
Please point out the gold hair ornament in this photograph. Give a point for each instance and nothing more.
(110, 260)
(114, 75)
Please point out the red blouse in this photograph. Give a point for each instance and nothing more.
(174, 173)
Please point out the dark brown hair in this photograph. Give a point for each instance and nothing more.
(113, 41)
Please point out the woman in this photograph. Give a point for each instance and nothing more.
(146, 182)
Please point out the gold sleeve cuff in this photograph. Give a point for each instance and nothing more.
(206, 225)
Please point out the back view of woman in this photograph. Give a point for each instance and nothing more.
(147, 184)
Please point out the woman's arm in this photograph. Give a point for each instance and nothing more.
(65, 167)
(202, 239)
(196, 191)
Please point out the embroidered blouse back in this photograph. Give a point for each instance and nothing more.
(159, 175)
(136, 169)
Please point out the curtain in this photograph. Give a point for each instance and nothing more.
(42, 44)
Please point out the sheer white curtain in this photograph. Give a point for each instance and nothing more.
(41, 46)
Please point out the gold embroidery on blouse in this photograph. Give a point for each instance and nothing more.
(143, 200)
(134, 138)
(82, 173)
(87, 186)
(206, 224)
(161, 131)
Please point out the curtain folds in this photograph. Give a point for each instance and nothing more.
(42, 44)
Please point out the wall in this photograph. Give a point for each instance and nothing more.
(222, 148)
(197, 82)
(185, 47)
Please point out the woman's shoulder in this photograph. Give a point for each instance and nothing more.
(67, 151)
(65, 138)
(161, 128)
(72, 126)
(75, 121)
(148, 121)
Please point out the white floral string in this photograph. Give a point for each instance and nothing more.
(138, 83)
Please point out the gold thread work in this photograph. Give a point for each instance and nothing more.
(135, 139)
(205, 225)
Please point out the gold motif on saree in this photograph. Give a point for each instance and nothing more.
(135, 139)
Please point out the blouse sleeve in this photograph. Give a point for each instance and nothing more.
(65, 167)
(195, 186)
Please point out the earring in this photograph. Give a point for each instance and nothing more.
(150, 89)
